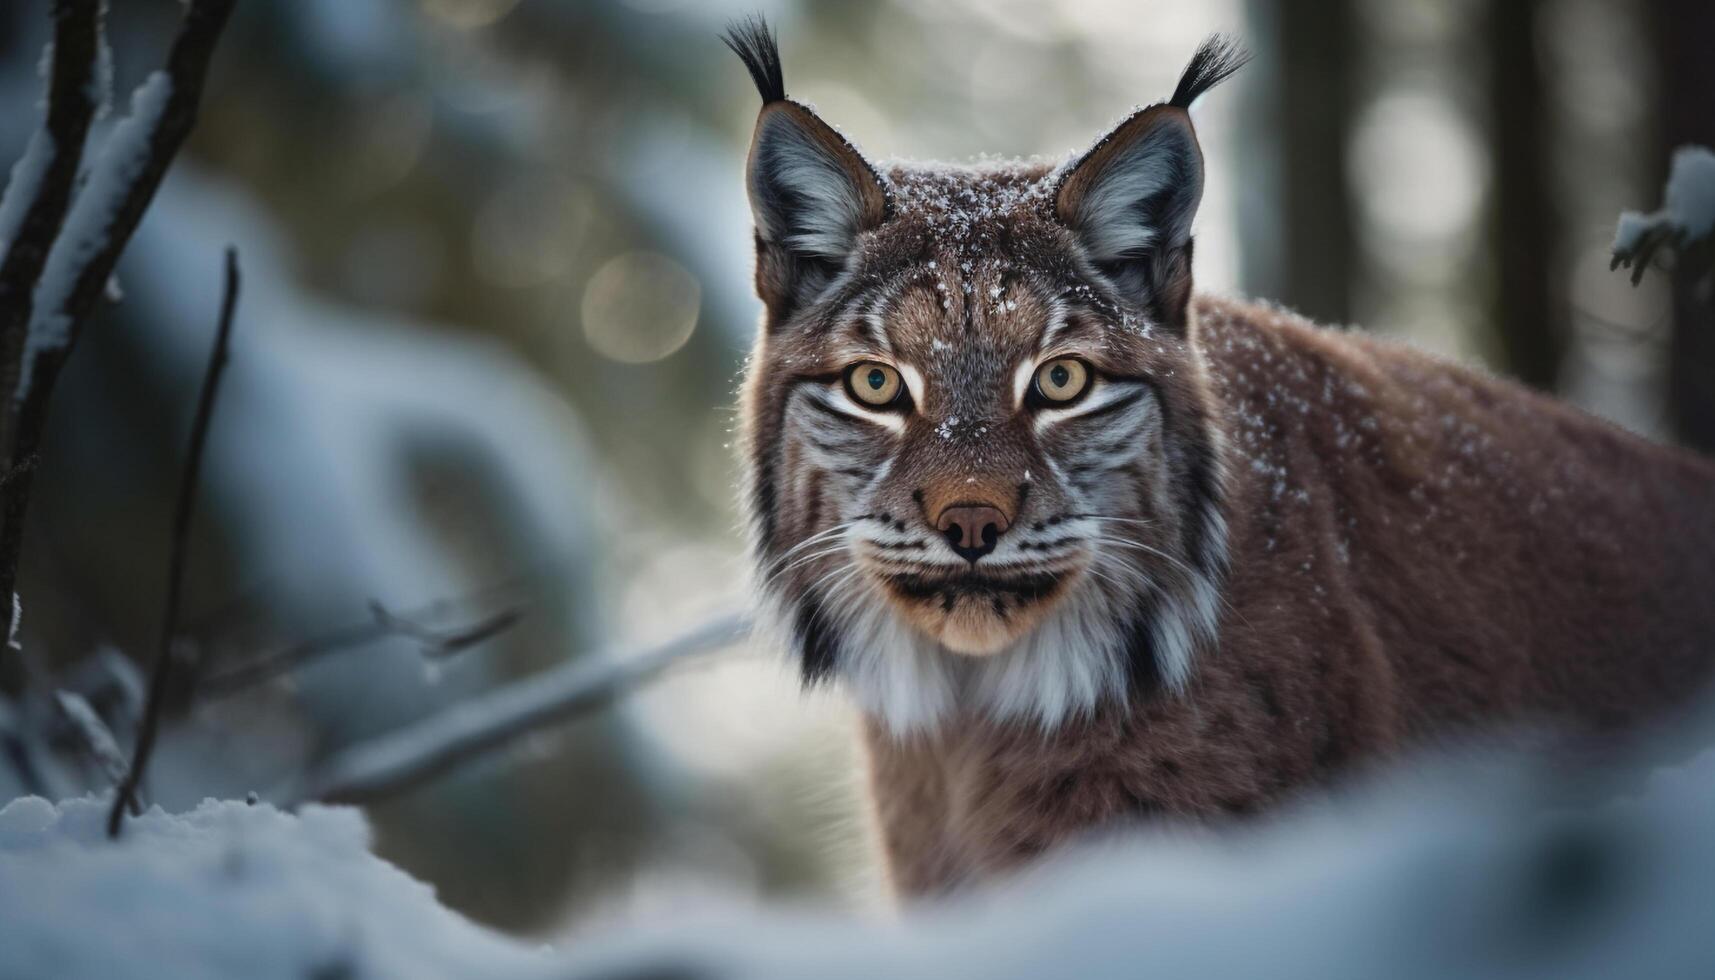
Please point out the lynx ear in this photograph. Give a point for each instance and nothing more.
(811, 192)
(1132, 197)
(1136, 191)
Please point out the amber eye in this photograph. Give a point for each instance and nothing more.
(874, 384)
(1062, 379)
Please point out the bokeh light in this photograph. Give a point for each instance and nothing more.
(468, 14)
(640, 307)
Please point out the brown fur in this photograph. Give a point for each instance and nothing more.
(1450, 552)
(1402, 551)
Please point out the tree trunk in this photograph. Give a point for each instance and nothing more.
(1684, 35)
(1529, 301)
(1313, 110)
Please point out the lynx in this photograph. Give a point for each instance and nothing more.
(1086, 548)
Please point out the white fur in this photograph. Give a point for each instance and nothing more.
(915, 384)
(1021, 381)
(837, 399)
(1064, 668)
(1103, 395)
(1057, 323)
(1060, 671)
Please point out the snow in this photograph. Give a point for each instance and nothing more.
(503, 712)
(328, 414)
(224, 890)
(23, 185)
(90, 220)
(963, 204)
(99, 89)
(1689, 205)
(314, 451)
(1461, 873)
(1471, 867)
(97, 738)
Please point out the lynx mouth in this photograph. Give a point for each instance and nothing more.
(1000, 590)
(976, 613)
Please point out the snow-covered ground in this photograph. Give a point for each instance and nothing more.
(224, 890)
(1480, 869)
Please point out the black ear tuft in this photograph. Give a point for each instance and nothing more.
(1216, 59)
(753, 42)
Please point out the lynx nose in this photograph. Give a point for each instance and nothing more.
(972, 529)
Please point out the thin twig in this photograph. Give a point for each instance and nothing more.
(95, 738)
(412, 755)
(1639, 255)
(381, 625)
(442, 643)
(88, 274)
(182, 513)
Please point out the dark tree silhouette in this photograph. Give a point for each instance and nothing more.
(1529, 306)
(1683, 31)
(1313, 109)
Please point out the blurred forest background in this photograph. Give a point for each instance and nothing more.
(497, 295)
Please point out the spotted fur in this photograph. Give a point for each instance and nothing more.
(1251, 554)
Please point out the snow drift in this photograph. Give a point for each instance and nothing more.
(1476, 870)
(224, 890)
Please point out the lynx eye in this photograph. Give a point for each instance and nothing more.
(1061, 380)
(874, 384)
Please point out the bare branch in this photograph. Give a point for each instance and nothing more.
(441, 644)
(184, 509)
(95, 738)
(80, 261)
(417, 753)
(1638, 256)
(436, 642)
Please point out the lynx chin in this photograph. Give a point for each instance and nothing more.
(1086, 547)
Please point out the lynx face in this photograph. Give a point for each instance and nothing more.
(983, 474)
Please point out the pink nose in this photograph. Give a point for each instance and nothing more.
(972, 529)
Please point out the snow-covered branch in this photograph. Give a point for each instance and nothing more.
(82, 249)
(120, 183)
(40, 189)
(416, 753)
(1684, 222)
(95, 738)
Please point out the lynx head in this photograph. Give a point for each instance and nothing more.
(982, 470)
